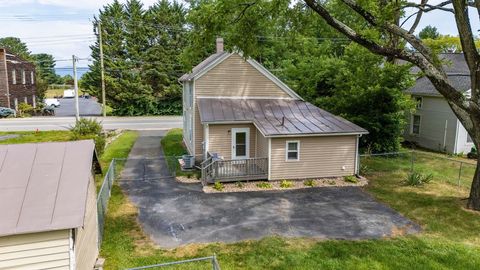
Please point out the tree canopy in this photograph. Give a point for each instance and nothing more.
(142, 48)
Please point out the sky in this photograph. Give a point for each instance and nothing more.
(64, 27)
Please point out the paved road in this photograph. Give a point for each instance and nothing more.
(176, 214)
(62, 123)
(88, 107)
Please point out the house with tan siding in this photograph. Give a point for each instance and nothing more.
(243, 123)
(48, 206)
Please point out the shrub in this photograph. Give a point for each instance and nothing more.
(218, 186)
(264, 185)
(332, 182)
(286, 184)
(85, 129)
(239, 184)
(473, 153)
(418, 179)
(309, 183)
(350, 179)
(364, 170)
(24, 109)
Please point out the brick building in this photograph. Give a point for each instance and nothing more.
(17, 80)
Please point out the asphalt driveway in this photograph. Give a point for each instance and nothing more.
(175, 214)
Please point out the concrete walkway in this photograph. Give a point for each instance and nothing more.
(175, 214)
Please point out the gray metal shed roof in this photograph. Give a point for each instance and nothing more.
(200, 67)
(298, 117)
(44, 186)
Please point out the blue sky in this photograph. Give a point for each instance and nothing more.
(63, 27)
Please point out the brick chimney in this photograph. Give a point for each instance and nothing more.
(219, 45)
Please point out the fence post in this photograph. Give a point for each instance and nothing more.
(460, 173)
(413, 161)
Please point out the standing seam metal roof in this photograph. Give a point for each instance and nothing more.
(44, 186)
(298, 117)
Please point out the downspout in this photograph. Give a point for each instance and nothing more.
(357, 157)
(455, 143)
(445, 137)
(6, 78)
(71, 249)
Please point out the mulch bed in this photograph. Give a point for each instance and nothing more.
(276, 185)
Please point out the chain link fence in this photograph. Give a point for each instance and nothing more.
(451, 170)
(210, 262)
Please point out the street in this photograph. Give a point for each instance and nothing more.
(109, 123)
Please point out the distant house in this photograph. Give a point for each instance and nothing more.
(434, 125)
(17, 80)
(48, 206)
(242, 122)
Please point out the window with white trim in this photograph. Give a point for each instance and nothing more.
(14, 76)
(292, 151)
(416, 119)
(418, 102)
(24, 81)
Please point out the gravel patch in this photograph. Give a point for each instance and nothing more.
(187, 180)
(289, 185)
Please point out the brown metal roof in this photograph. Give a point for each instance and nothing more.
(44, 186)
(298, 117)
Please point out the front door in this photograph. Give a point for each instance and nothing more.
(240, 143)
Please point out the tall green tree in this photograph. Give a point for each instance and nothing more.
(430, 32)
(45, 65)
(383, 19)
(16, 46)
(141, 51)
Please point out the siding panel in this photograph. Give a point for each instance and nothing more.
(220, 139)
(86, 251)
(434, 112)
(45, 250)
(236, 77)
(262, 145)
(319, 157)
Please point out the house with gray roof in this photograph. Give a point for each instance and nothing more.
(434, 125)
(243, 123)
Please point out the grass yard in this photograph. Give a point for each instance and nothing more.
(173, 148)
(36, 137)
(449, 240)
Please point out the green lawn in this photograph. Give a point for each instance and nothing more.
(35, 137)
(173, 148)
(449, 240)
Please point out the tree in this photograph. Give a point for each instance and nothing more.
(383, 19)
(429, 32)
(15, 46)
(141, 51)
(45, 65)
(446, 44)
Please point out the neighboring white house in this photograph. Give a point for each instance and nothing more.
(434, 125)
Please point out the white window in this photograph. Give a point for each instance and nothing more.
(292, 152)
(14, 76)
(32, 78)
(24, 81)
(416, 119)
(418, 102)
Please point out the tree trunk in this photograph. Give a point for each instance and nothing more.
(474, 198)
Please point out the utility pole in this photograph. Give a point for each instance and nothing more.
(75, 86)
(102, 70)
